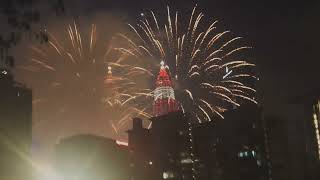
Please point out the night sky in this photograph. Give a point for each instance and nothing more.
(285, 36)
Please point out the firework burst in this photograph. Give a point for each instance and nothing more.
(71, 72)
(124, 97)
(69, 65)
(209, 72)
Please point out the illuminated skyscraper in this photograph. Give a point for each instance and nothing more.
(164, 99)
(316, 124)
(115, 109)
(110, 82)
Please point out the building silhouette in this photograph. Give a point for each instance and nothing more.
(15, 125)
(303, 133)
(177, 148)
(174, 148)
(277, 148)
(164, 151)
(140, 153)
(233, 148)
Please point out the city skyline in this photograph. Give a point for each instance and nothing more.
(283, 36)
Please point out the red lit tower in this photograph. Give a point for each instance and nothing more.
(164, 99)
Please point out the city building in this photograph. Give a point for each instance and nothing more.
(176, 148)
(164, 98)
(232, 148)
(277, 149)
(303, 133)
(15, 125)
(90, 157)
(164, 151)
(173, 148)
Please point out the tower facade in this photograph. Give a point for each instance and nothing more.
(109, 78)
(316, 124)
(110, 82)
(164, 99)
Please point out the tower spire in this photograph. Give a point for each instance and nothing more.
(164, 98)
(109, 79)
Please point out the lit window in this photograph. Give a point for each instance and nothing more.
(258, 162)
(241, 154)
(253, 153)
(150, 162)
(167, 175)
(186, 161)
